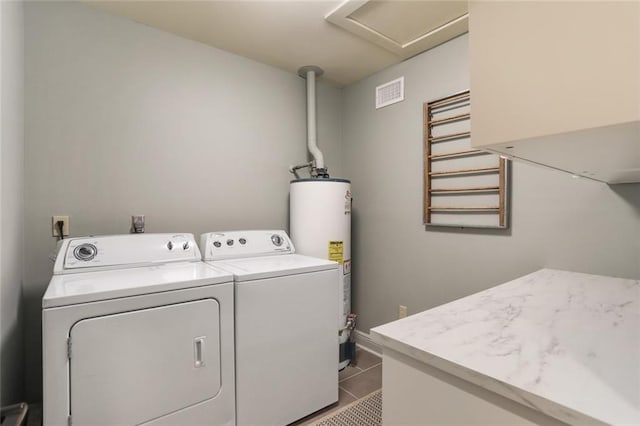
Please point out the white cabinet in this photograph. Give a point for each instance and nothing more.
(415, 393)
(558, 83)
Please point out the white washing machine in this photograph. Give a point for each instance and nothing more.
(285, 316)
(137, 330)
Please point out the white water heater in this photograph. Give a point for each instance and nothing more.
(320, 226)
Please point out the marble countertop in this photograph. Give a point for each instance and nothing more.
(564, 343)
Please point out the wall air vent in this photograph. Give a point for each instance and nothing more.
(390, 93)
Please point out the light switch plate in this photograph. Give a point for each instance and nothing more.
(54, 227)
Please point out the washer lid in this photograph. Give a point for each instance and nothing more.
(94, 286)
(256, 268)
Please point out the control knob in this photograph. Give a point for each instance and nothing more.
(276, 240)
(85, 252)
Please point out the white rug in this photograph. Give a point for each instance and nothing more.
(363, 412)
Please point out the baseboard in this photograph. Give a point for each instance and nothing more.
(363, 341)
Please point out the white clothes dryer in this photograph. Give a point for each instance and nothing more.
(285, 316)
(137, 330)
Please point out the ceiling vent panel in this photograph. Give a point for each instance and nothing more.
(405, 28)
(390, 93)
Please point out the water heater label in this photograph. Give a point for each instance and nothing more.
(336, 251)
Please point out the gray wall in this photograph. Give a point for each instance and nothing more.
(557, 221)
(11, 201)
(124, 119)
(121, 119)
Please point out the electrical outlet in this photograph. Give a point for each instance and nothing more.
(402, 311)
(137, 224)
(54, 226)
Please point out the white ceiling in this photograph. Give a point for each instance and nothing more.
(290, 34)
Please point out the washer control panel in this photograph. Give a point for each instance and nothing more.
(120, 251)
(237, 244)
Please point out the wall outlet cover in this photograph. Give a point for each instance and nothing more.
(137, 224)
(54, 226)
(402, 311)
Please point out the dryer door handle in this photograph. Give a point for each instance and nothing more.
(198, 351)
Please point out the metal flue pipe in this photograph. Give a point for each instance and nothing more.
(310, 72)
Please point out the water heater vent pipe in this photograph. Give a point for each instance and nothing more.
(310, 72)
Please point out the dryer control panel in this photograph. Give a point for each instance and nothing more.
(122, 251)
(238, 244)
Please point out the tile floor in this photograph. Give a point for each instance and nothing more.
(356, 381)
